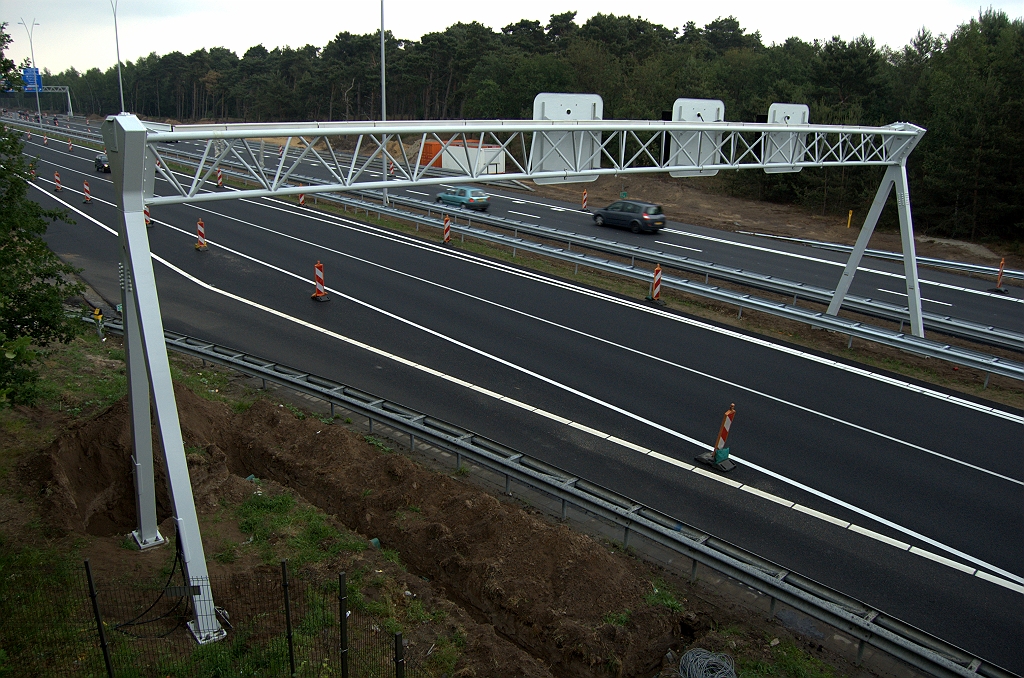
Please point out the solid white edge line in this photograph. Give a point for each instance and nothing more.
(896, 543)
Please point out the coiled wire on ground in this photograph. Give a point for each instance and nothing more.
(701, 663)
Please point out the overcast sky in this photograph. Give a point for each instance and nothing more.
(80, 33)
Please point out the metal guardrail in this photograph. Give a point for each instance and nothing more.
(978, 332)
(964, 266)
(868, 625)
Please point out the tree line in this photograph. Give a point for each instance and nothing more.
(964, 88)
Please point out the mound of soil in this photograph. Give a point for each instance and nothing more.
(535, 596)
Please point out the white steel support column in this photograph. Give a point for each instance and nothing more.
(147, 535)
(895, 175)
(909, 249)
(125, 139)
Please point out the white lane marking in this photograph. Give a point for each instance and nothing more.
(603, 296)
(599, 339)
(856, 528)
(524, 214)
(829, 262)
(682, 247)
(904, 294)
(634, 416)
(409, 190)
(524, 201)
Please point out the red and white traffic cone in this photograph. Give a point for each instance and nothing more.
(719, 456)
(32, 171)
(391, 168)
(447, 230)
(655, 294)
(999, 289)
(220, 178)
(318, 272)
(201, 233)
(584, 198)
(145, 214)
(29, 136)
(280, 152)
(302, 199)
(85, 190)
(46, 142)
(70, 147)
(56, 182)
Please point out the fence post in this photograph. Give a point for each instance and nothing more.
(343, 611)
(288, 616)
(399, 657)
(99, 620)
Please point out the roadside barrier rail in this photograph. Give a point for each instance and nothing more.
(896, 256)
(868, 625)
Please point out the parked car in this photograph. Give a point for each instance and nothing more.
(102, 164)
(471, 198)
(634, 215)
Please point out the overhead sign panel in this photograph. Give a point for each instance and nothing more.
(33, 80)
(561, 151)
(696, 148)
(785, 147)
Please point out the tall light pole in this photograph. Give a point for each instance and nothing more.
(383, 103)
(117, 45)
(30, 28)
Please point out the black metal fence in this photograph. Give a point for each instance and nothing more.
(277, 625)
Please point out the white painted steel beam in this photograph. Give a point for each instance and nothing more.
(125, 139)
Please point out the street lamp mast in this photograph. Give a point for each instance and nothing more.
(30, 28)
(117, 44)
(383, 102)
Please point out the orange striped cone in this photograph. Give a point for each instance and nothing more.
(70, 147)
(584, 198)
(201, 233)
(447, 230)
(302, 199)
(319, 294)
(655, 294)
(145, 215)
(220, 178)
(56, 182)
(33, 172)
(46, 142)
(719, 456)
(85, 190)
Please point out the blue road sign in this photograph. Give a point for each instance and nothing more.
(33, 80)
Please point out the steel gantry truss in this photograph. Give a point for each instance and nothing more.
(545, 151)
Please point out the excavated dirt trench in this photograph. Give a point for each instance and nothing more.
(540, 585)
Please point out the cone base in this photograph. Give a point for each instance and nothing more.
(708, 459)
(201, 248)
(319, 297)
(1000, 290)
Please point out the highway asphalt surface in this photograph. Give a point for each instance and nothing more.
(942, 292)
(913, 465)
